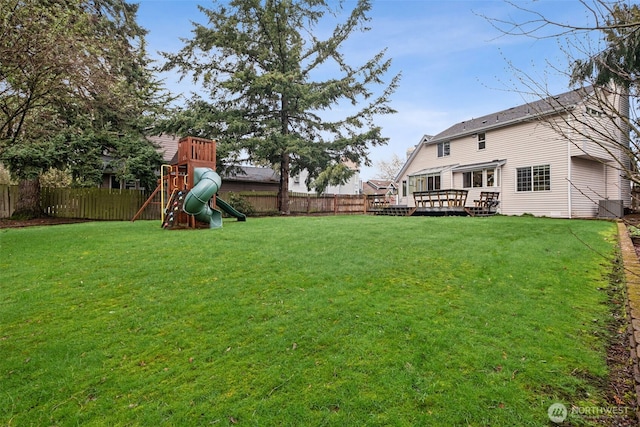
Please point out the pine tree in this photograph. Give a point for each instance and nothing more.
(258, 61)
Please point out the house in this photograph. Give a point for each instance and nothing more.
(251, 178)
(562, 156)
(244, 178)
(297, 183)
(167, 145)
(378, 187)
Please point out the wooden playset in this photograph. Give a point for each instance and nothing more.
(188, 188)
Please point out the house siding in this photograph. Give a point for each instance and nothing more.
(586, 123)
(581, 171)
(352, 186)
(587, 186)
(533, 144)
(608, 180)
(520, 141)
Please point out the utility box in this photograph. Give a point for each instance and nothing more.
(610, 209)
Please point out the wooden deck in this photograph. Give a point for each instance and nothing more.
(450, 202)
(381, 205)
(440, 202)
(395, 210)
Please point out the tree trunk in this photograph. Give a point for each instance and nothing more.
(283, 194)
(28, 203)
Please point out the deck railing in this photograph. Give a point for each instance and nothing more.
(376, 202)
(449, 198)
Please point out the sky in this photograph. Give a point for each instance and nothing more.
(454, 64)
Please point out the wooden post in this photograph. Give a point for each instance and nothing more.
(147, 203)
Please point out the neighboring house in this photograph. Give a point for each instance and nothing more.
(167, 145)
(379, 187)
(297, 183)
(251, 178)
(518, 153)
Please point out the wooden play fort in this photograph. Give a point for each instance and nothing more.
(188, 188)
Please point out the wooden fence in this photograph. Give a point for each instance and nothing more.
(266, 203)
(122, 205)
(8, 197)
(96, 203)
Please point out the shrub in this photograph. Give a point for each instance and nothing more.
(240, 203)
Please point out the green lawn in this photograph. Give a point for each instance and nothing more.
(342, 321)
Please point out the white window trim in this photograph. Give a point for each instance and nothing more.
(443, 144)
(531, 172)
(478, 141)
(496, 178)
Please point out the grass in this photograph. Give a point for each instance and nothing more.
(347, 320)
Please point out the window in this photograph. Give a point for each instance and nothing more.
(477, 178)
(541, 178)
(481, 141)
(491, 177)
(533, 178)
(480, 178)
(404, 188)
(466, 179)
(433, 182)
(444, 149)
(594, 112)
(115, 182)
(424, 182)
(523, 177)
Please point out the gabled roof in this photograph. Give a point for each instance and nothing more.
(521, 113)
(380, 184)
(168, 145)
(252, 174)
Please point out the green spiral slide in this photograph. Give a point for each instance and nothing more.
(206, 184)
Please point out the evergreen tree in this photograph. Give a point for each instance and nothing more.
(258, 61)
(619, 61)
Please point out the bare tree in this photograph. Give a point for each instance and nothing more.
(603, 68)
(388, 169)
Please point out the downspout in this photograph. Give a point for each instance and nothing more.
(569, 194)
